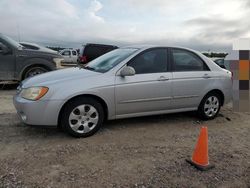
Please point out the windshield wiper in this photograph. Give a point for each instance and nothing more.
(89, 68)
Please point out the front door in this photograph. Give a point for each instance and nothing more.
(150, 89)
(66, 56)
(7, 64)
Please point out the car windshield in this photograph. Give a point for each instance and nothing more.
(109, 60)
(12, 42)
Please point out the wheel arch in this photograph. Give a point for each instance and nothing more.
(97, 98)
(36, 62)
(218, 91)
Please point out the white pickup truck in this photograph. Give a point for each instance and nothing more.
(69, 55)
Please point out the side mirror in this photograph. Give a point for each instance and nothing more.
(127, 71)
(3, 49)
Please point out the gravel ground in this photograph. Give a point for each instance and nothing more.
(138, 152)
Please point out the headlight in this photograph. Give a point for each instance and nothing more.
(33, 93)
(58, 62)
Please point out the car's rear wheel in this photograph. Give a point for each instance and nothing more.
(33, 71)
(82, 117)
(210, 106)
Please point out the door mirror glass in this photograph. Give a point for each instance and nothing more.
(127, 71)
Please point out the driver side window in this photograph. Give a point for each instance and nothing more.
(153, 61)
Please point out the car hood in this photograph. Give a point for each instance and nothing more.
(43, 49)
(40, 52)
(60, 76)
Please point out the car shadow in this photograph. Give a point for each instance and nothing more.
(8, 86)
(149, 120)
(40, 132)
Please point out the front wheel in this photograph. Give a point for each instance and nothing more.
(210, 106)
(33, 71)
(82, 117)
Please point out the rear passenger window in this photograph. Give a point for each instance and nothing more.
(187, 61)
(74, 52)
(93, 51)
(153, 61)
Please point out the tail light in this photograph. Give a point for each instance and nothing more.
(232, 78)
(83, 59)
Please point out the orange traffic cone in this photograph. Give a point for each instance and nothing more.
(200, 156)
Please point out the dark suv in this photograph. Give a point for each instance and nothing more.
(92, 51)
(18, 62)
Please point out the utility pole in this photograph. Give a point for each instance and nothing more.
(18, 33)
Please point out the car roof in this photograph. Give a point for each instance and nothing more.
(146, 46)
(68, 49)
(97, 44)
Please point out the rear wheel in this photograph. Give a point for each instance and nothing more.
(34, 71)
(210, 106)
(82, 117)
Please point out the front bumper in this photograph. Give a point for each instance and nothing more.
(38, 112)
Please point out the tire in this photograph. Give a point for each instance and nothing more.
(33, 71)
(82, 117)
(210, 106)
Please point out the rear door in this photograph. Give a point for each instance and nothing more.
(149, 90)
(74, 56)
(7, 63)
(191, 77)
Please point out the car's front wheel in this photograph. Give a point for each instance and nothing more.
(33, 71)
(82, 117)
(210, 106)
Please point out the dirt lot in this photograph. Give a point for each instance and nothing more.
(139, 152)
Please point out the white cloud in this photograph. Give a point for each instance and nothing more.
(94, 8)
(132, 29)
(191, 22)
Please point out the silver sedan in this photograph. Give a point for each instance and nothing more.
(127, 82)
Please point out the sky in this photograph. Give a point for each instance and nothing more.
(204, 25)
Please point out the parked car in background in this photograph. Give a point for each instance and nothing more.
(18, 62)
(220, 62)
(126, 82)
(90, 52)
(33, 46)
(70, 56)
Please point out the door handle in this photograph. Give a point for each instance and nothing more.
(206, 76)
(163, 78)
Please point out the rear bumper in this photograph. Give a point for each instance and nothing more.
(37, 112)
(228, 96)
